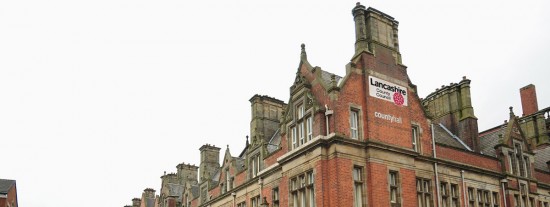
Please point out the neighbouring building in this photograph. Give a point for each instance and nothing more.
(367, 139)
(8, 193)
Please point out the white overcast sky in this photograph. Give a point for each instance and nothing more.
(99, 98)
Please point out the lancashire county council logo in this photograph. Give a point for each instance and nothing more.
(398, 99)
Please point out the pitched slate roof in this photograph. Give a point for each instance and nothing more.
(326, 76)
(444, 137)
(489, 139)
(6, 185)
(239, 162)
(541, 157)
(195, 191)
(274, 142)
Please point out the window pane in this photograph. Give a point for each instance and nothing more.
(301, 132)
(309, 128)
(358, 195)
(357, 174)
(354, 124)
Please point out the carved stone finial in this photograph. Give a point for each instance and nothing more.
(358, 3)
(511, 112)
(303, 54)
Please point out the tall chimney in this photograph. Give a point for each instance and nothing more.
(375, 31)
(529, 102)
(136, 202)
(210, 162)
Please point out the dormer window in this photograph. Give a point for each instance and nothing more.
(302, 129)
(254, 165)
(519, 163)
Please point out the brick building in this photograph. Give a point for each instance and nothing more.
(367, 139)
(8, 193)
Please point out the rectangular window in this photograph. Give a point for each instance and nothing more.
(255, 202)
(532, 201)
(254, 165)
(517, 202)
(486, 199)
(228, 179)
(513, 165)
(294, 138)
(443, 187)
(241, 204)
(483, 198)
(511, 169)
(309, 123)
(275, 197)
(294, 191)
(301, 111)
(301, 132)
(311, 189)
(394, 189)
(302, 190)
(519, 159)
(523, 192)
(423, 192)
(354, 124)
(415, 141)
(471, 197)
(495, 199)
(526, 166)
(454, 196)
(358, 187)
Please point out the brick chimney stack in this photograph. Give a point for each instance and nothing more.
(529, 102)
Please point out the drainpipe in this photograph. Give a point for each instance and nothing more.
(504, 191)
(327, 113)
(464, 188)
(435, 168)
(261, 183)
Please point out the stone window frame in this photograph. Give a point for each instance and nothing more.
(301, 189)
(358, 185)
(444, 188)
(415, 137)
(455, 195)
(495, 199)
(275, 196)
(394, 186)
(424, 192)
(241, 204)
(255, 201)
(254, 164)
(301, 128)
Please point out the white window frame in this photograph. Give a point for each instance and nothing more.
(354, 123)
(309, 128)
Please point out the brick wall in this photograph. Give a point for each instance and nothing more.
(468, 158)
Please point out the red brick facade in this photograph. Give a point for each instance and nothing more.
(379, 146)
